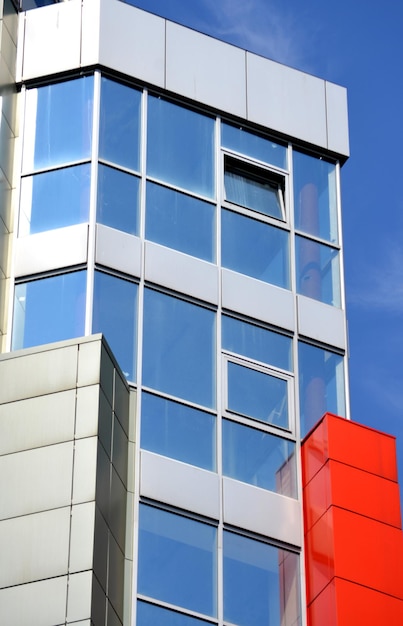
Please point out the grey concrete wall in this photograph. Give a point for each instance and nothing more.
(64, 425)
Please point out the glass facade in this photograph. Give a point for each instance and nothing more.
(224, 391)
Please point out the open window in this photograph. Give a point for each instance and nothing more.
(253, 187)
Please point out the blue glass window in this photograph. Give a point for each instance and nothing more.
(58, 123)
(177, 560)
(321, 384)
(260, 583)
(180, 222)
(180, 146)
(49, 309)
(254, 248)
(315, 196)
(256, 343)
(259, 458)
(179, 348)
(153, 615)
(119, 132)
(178, 431)
(318, 271)
(54, 199)
(115, 315)
(255, 394)
(252, 145)
(118, 199)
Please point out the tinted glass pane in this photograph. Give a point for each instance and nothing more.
(315, 196)
(179, 348)
(58, 123)
(118, 199)
(318, 273)
(177, 560)
(255, 146)
(321, 377)
(115, 315)
(178, 431)
(255, 248)
(49, 309)
(257, 395)
(181, 222)
(54, 199)
(180, 146)
(152, 615)
(119, 131)
(260, 583)
(259, 458)
(256, 343)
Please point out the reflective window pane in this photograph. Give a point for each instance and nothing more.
(255, 394)
(259, 458)
(254, 248)
(252, 145)
(58, 123)
(119, 131)
(179, 348)
(315, 196)
(115, 315)
(180, 146)
(180, 222)
(260, 583)
(153, 615)
(118, 199)
(256, 343)
(178, 431)
(54, 199)
(318, 271)
(177, 560)
(321, 380)
(49, 309)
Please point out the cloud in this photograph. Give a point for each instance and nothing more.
(260, 27)
(378, 284)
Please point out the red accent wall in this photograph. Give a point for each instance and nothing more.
(353, 535)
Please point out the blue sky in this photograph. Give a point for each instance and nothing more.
(359, 45)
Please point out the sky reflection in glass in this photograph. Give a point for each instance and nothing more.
(152, 615)
(178, 431)
(318, 271)
(251, 145)
(118, 199)
(177, 560)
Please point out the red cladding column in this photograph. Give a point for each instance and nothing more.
(353, 533)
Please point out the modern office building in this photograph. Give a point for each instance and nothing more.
(181, 196)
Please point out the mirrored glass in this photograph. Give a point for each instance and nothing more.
(254, 248)
(315, 196)
(178, 431)
(245, 142)
(118, 199)
(119, 127)
(259, 458)
(321, 384)
(177, 560)
(54, 199)
(255, 394)
(261, 583)
(318, 271)
(180, 222)
(179, 348)
(180, 146)
(58, 123)
(256, 343)
(115, 315)
(153, 615)
(49, 309)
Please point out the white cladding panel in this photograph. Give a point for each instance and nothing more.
(286, 100)
(205, 69)
(337, 119)
(322, 322)
(118, 250)
(42, 603)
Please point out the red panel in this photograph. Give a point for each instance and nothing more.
(317, 496)
(343, 603)
(314, 452)
(319, 556)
